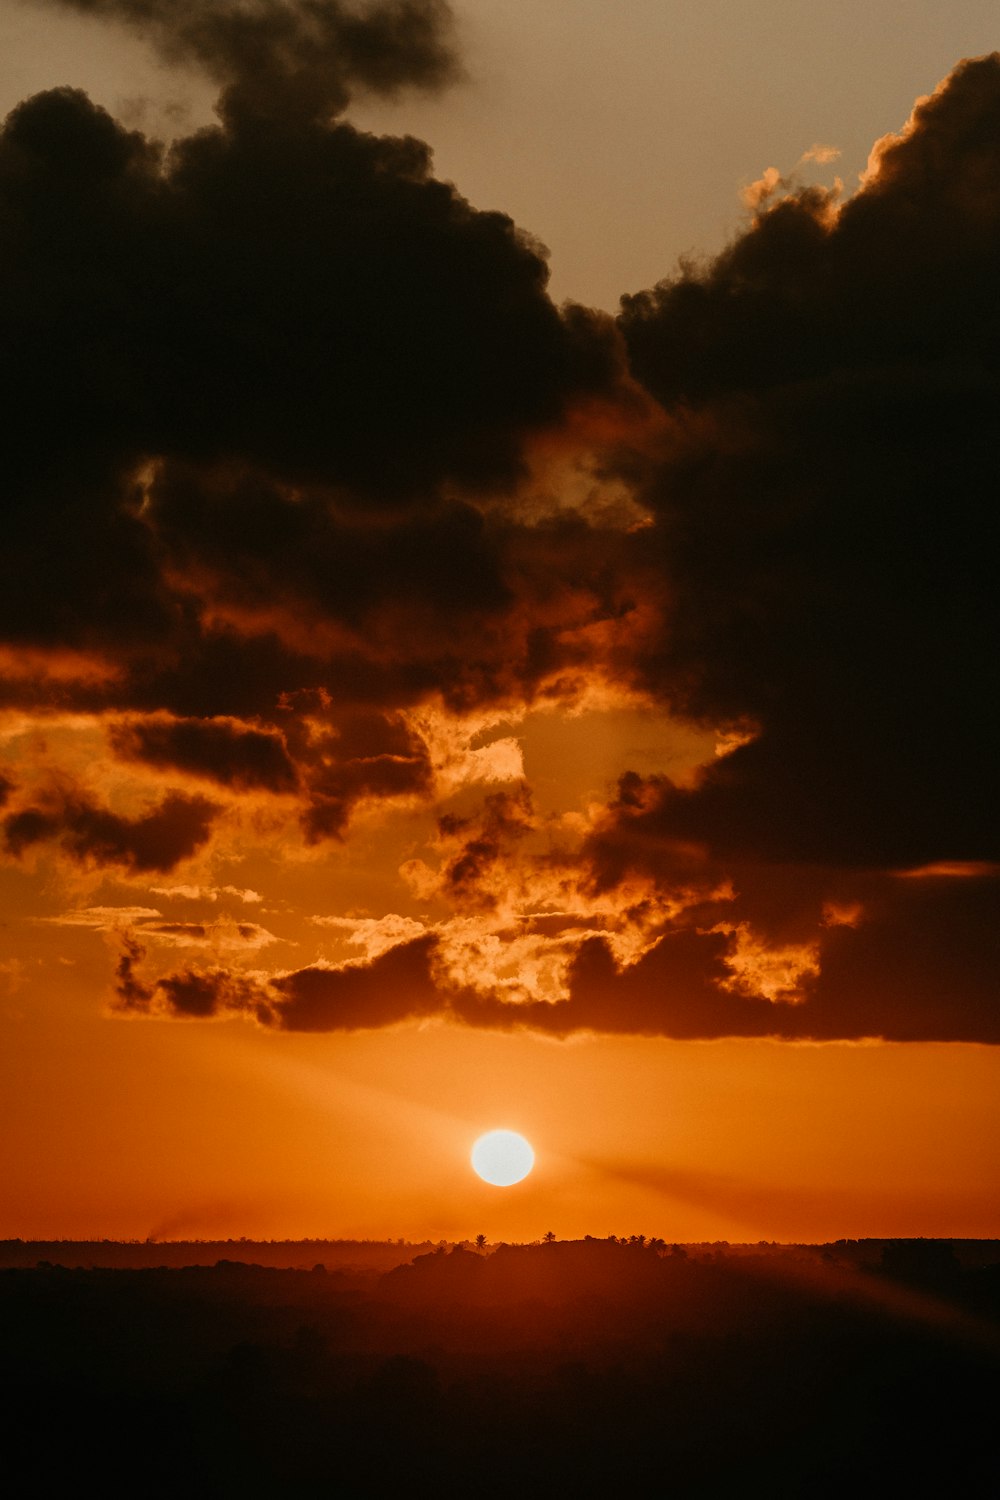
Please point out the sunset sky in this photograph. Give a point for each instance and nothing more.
(499, 632)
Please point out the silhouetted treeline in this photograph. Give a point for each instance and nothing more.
(383, 1255)
(576, 1368)
(373, 1255)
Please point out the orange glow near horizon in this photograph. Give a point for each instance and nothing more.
(172, 1129)
(185, 1131)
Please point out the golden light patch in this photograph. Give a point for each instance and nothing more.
(776, 974)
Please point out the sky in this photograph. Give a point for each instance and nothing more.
(497, 618)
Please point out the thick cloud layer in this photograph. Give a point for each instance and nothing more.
(826, 508)
(305, 299)
(250, 385)
(302, 455)
(893, 977)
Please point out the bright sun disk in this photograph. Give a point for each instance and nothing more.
(502, 1157)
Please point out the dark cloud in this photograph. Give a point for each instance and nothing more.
(239, 381)
(824, 508)
(396, 986)
(276, 56)
(198, 932)
(919, 965)
(231, 754)
(279, 387)
(156, 840)
(894, 975)
(891, 976)
(245, 380)
(334, 314)
(822, 512)
(307, 299)
(199, 996)
(190, 995)
(363, 756)
(602, 999)
(481, 846)
(897, 278)
(330, 762)
(130, 992)
(253, 545)
(443, 601)
(922, 967)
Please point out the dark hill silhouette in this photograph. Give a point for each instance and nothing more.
(587, 1368)
(370, 1255)
(552, 1273)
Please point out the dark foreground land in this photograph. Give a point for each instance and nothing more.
(571, 1368)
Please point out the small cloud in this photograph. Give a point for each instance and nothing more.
(767, 184)
(776, 974)
(375, 935)
(205, 893)
(821, 154)
(104, 918)
(250, 897)
(219, 934)
(728, 740)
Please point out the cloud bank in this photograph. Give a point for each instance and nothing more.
(306, 472)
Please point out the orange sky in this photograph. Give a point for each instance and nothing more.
(136, 1128)
(426, 709)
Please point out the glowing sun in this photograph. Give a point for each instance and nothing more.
(502, 1157)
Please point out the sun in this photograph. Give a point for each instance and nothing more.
(502, 1157)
